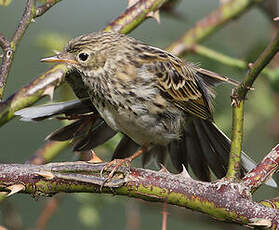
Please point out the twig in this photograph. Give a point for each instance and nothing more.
(48, 151)
(237, 138)
(225, 59)
(134, 15)
(164, 215)
(132, 217)
(258, 66)
(208, 25)
(4, 43)
(223, 200)
(273, 203)
(45, 7)
(9, 51)
(48, 211)
(29, 94)
(264, 170)
(9, 47)
(238, 104)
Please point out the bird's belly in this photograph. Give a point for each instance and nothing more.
(144, 129)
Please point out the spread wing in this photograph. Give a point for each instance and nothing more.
(179, 82)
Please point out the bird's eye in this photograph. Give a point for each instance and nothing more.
(83, 56)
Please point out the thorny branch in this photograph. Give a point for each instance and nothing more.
(238, 104)
(224, 200)
(45, 7)
(9, 47)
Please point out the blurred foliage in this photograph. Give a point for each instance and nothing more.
(52, 41)
(19, 140)
(5, 2)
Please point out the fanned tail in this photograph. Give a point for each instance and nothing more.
(205, 147)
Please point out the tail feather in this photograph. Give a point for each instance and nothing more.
(37, 113)
(178, 155)
(68, 132)
(210, 149)
(125, 148)
(193, 148)
(97, 136)
(204, 146)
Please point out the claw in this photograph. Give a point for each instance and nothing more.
(116, 163)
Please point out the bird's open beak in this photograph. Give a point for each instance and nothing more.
(57, 59)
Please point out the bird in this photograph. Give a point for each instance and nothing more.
(161, 104)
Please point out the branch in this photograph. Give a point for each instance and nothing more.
(239, 96)
(45, 7)
(9, 51)
(48, 151)
(223, 200)
(29, 94)
(225, 59)
(134, 15)
(9, 47)
(257, 67)
(210, 24)
(264, 170)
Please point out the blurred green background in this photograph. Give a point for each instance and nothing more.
(70, 18)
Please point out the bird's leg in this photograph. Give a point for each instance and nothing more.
(117, 163)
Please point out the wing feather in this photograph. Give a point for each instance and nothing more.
(178, 81)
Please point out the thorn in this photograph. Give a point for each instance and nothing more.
(260, 222)
(276, 19)
(163, 169)
(95, 158)
(184, 172)
(154, 15)
(132, 2)
(15, 189)
(49, 92)
(1, 55)
(46, 174)
(33, 20)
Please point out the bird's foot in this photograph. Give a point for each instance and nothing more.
(116, 164)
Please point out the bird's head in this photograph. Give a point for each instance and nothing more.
(88, 52)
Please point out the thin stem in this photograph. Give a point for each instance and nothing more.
(9, 52)
(210, 24)
(237, 138)
(45, 7)
(238, 104)
(258, 66)
(48, 151)
(225, 59)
